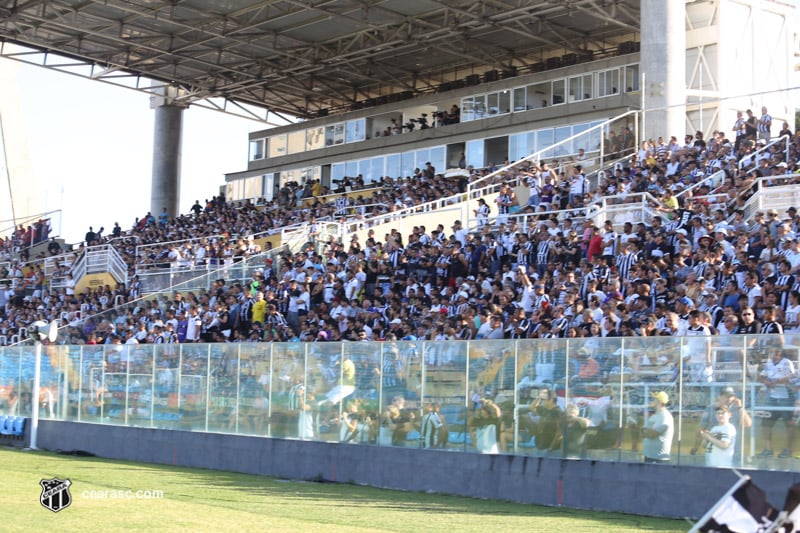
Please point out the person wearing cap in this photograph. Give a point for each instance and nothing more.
(658, 431)
(738, 417)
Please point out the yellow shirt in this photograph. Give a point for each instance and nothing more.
(259, 311)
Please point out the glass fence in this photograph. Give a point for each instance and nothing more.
(584, 398)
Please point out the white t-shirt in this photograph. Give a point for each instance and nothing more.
(716, 456)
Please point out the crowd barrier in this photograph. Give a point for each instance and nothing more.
(380, 393)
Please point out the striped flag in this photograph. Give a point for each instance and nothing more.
(743, 509)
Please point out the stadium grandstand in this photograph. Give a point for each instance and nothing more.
(527, 267)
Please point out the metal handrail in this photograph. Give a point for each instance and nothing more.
(753, 159)
(540, 154)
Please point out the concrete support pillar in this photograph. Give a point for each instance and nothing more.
(663, 63)
(166, 180)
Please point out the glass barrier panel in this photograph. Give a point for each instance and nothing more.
(139, 361)
(10, 380)
(250, 400)
(53, 383)
(358, 420)
(329, 379)
(116, 384)
(442, 390)
(93, 390)
(223, 387)
(577, 397)
(772, 385)
(400, 391)
(75, 379)
(194, 386)
(166, 397)
(287, 389)
(491, 403)
(27, 360)
(588, 426)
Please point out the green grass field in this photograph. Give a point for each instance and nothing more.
(205, 500)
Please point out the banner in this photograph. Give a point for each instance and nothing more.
(743, 509)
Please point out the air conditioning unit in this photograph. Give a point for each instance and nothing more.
(472, 79)
(553, 62)
(509, 72)
(382, 100)
(445, 86)
(459, 84)
(585, 56)
(322, 113)
(569, 59)
(538, 67)
(626, 47)
(491, 75)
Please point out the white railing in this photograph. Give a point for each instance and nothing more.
(199, 278)
(550, 151)
(486, 184)
(100, 259)
(752, 159)
(773, 192)
(713, 181)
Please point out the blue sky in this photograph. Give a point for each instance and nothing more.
(91, 144)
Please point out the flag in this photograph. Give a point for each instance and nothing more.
(743, 509)
(791, 521)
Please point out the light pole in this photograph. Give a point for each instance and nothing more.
(38, 331)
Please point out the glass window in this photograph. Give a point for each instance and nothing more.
(563, 133)
(467, 109)
(558, 92)
(479, 105)
(334, 134)
(376, 170)
(364, 168)
(393, 166)
(521, 145)
(337, 171)
(475, 153)
(257, 149)
(408, 163)
(296, 142)
(544, 140)
(631, 78)
(587, 87)
(519, 99)
(575, 89)
(290, 176)
(608, 82)
(277, 145)
(351, 169)
(421, 157)
(252, 187)
(315, 138)
(492, 103)
(356, 130)
(437, 159)
(504, 102)
(538, 95)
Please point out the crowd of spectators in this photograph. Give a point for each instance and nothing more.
(700, 265)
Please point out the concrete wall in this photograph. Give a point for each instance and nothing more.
(654, 490)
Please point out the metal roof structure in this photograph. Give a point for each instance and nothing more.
(307, 58)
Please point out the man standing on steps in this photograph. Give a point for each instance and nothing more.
(765, 125)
